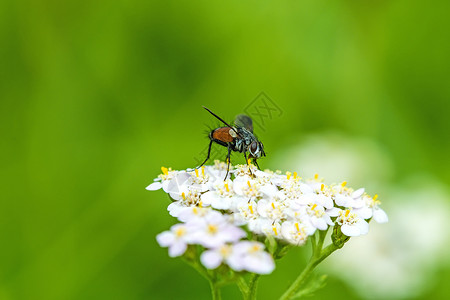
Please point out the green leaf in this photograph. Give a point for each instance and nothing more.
(271, 244)
(316, 283)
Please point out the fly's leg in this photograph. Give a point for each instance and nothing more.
(209, 152)
(246, 161)
(228, 162)
(254, 161)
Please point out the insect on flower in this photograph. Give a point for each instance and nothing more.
(238, 138)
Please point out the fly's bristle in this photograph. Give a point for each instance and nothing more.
(212, 127)
(207, 131)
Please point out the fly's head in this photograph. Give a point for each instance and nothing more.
(256, 149)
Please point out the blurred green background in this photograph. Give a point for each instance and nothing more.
(96, 96)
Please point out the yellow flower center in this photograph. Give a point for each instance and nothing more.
(275, 231)
(254, 248)
(165, 170)
(212, 229)
(180, 231)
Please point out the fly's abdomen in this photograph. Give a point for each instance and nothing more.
(222, 134)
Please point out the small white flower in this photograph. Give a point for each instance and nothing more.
(201, 179)
(174, 184)
(222, 197)
(219, 170)
(162, 181)
(250, 256)
(214, 230)
(295, 232)
(247, 188)
(266, 226)
(244, 170)
(246, 211)
(346, 197)
(317, 216)
(186, 214)
(273, 209)
(315, 198)
(176, 239)
(213, 258)
(189, 199)
(351, 223)
(371, 209)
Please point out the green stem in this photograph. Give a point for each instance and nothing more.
(316, 258)
(313, 244)
(215, 291)
(243, 287)
(322, 235)
(192, 259)
(252, 285)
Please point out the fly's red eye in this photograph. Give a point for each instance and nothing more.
(253, 147)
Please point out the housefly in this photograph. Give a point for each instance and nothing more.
(237, 138)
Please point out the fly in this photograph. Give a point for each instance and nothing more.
(237, 138)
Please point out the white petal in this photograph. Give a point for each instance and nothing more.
(208, 198)
(211, 259)
(319, 223)
(255, 225)
(262, 207)
(165, 238)
(358, 193)
(241, 247)
(154, 186)
(175, 208)
(333, 212)
(380, 216)
(342, 200)
(356, 203)
(328, 219)
(363, 226)
(177, 249)
(222, 203)
(269, 190)
(179, 180)
(305, 199)
(175, 196)
(260, 263)
(235, 261)
(165, 185)
(210, 241)
(259, 173)
(350, 230)
(238, 186)
(234, 233)
(364, 212)
(325, 201)
(306, 189)
(310, 229)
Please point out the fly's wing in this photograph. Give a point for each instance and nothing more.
(244, 121)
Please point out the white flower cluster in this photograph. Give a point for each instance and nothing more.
(282, 206)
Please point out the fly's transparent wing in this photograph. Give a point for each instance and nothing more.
(244, 121)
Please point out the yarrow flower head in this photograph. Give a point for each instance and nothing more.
(247, 220)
